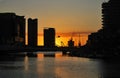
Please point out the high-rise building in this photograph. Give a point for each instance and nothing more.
(111, 23)
(32, 32)
(107, 39)
(49, 37)
(12, 29)
(21, 29)
(111, 14)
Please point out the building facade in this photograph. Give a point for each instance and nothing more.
(32, 32)
(111, 14)
(107, 39)
(12, 29)
(49, 37)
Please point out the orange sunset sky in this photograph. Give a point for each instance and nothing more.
(64, 37)
(66, 16)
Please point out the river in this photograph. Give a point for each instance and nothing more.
(59, 67)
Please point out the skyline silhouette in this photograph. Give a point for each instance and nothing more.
(107, 40)
(73, 48)
(100, 43)
(65, 16)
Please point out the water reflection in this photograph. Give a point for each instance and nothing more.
(40, 67)
(40, 55)
(58, 54)
(67, 67)
(111, 69)
(26, 63)
(77, 68)
(62, 67)
(49, 54)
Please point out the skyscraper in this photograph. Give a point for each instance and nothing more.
(21, 29)
(111, 14)
(111, 23)
(32, 32)
(107, 39)
(12, 29)
(49, 37)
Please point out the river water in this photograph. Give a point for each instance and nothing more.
(59, 67)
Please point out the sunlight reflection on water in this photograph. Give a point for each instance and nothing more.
(55, 67)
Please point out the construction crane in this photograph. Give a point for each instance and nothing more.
(79, 42)
(71, 42)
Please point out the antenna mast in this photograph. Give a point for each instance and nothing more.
(79, 43)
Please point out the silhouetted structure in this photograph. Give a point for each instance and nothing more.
(12, 29)
(32, 32)
(71, 43)
(79, 43)
(49, 37)
(107, 40)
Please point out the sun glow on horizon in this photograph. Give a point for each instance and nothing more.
(62, 39)
(64, 15)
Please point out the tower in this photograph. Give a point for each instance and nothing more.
(49, 37)
(71, 43)
(111, 23)
(32, 32)
(111, 14)
(9, 23)
(79, 42)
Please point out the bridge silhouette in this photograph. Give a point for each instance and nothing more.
(38, 48)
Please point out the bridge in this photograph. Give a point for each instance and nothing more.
(32, 51)
(38, 48)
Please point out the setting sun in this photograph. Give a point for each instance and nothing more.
(63, 38)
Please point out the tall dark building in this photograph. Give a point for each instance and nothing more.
(49, 37)
(21, 30)
(111, 23)
(111, 14)
(107, 39)
(12, 29)
(32, 32)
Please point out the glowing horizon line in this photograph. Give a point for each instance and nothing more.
(69, 33)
